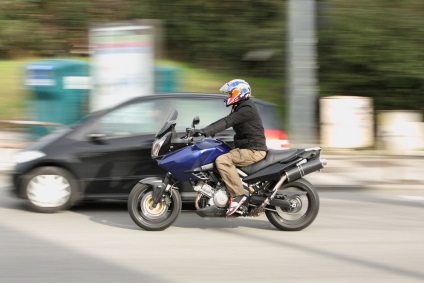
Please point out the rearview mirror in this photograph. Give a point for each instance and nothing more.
(196, 121)
(96, 137)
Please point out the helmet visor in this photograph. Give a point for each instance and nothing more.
(226, 89)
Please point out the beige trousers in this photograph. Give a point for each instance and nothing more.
(227, 163)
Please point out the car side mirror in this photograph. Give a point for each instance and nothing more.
(196, 121)
(96, 137)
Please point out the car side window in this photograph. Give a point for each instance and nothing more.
(270, 116)
(208, 110)
(133, 119)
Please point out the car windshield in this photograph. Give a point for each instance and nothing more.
(169, 122)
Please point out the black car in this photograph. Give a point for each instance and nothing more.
(108, 152)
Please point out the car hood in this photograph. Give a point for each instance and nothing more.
(49, 139)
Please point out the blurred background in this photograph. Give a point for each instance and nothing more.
(345, 75)
(363, 78)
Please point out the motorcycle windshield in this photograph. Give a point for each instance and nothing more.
(171, 120)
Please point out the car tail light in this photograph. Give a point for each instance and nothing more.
(276, 139)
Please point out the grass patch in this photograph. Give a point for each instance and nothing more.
(13, 94)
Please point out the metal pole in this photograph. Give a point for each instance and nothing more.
(302, 85)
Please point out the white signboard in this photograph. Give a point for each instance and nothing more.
(347, 122)
(122, 64)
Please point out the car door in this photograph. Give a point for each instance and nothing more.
(116, 151)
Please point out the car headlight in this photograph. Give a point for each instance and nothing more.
(157, 144)
(26, 156)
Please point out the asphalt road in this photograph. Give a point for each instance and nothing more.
(358, 236)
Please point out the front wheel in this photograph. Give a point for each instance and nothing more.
(49, 189)
(304, 207)
(147, 217)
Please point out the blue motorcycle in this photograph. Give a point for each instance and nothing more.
(273, 185)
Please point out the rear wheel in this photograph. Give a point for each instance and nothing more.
(304, 207)
(147, 217)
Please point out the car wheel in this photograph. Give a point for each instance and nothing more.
(49, 189)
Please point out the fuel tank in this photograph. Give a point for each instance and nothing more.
(191, 157)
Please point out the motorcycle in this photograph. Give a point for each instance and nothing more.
(273, 185)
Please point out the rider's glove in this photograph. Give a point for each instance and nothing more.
(199, 133)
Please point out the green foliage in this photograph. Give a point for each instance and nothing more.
(374, 48)
(209, 33)
(219, 34)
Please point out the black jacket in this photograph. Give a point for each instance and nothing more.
(246, 122)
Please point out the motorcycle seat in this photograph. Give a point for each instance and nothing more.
(272, 156)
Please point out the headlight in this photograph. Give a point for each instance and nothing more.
(157, 144)
(26, 156)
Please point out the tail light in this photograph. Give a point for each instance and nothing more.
(276, 139)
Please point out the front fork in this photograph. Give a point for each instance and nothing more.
(159, 190)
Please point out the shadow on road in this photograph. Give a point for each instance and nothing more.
(191, 220)
(115, 214)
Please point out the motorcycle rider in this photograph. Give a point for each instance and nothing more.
(249, 139)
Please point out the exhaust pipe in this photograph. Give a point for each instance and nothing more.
(293, 174)
(303, 169)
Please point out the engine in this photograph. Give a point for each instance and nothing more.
(215, 196)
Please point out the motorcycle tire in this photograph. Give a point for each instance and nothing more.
(304, 211)
(152, 218)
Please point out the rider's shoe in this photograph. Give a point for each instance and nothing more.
(235, 203)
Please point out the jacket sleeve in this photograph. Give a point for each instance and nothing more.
(216, 127)
(241, 115)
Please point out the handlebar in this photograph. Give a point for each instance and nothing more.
(189, 135)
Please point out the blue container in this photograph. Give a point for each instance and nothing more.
(166, 79)
(59, 90)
